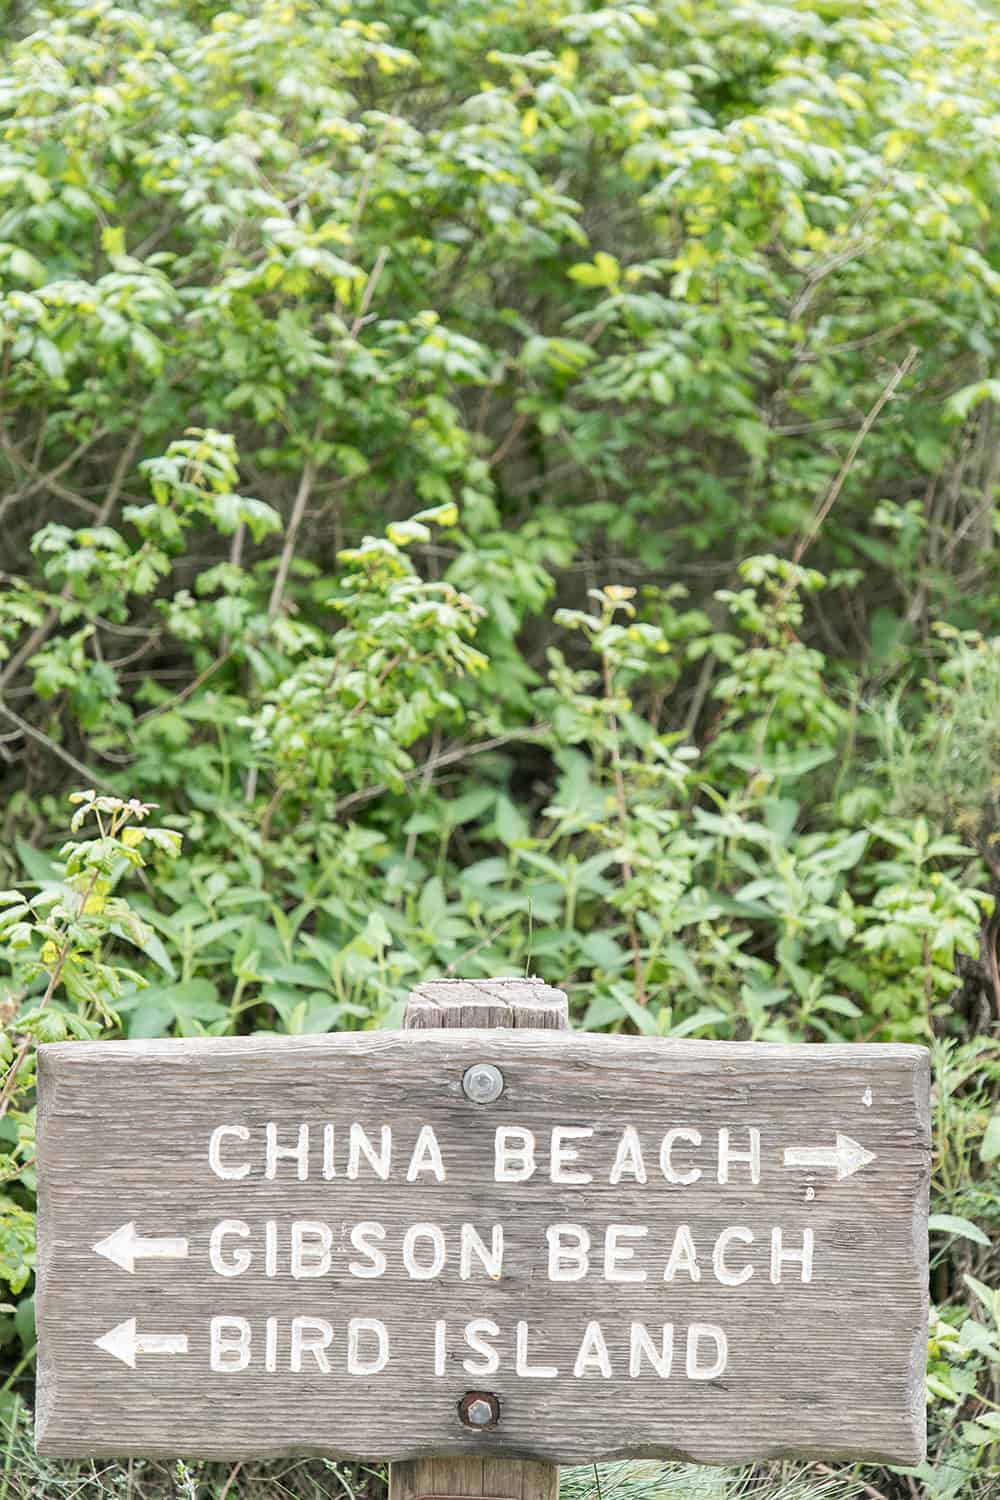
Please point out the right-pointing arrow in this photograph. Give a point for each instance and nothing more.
(847, 1156)
(124, 1247)
(124, 1342)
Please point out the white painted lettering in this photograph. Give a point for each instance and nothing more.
(238, 1133)
(471, 1244)
(641, 1345)
(368, 1229)
(727, 1155)
(615, 1253)
(299, 1153)
(722, 1271)
(683, 1256)
(693, 1137)
(803, 1257)
(561, 1153)
(593, 1352)
(628, 1158)
(426, 1156)
(568, 1262)
(411, 1239)
(240, 1258)
(310, 1259)
(522, 1364)
(697, 1333)
(357, 1364)
(360, 1145)
(513, 1154)
(475, 1333)
(229, 1345)
(310, 1336)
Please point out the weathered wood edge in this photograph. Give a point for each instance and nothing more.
(513, 1004)
(921, 1253)
(44, 1381)
(180, 1049)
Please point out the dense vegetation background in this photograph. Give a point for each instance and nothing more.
(516, 485)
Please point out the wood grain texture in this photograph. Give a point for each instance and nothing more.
(509, 1003)
(833, 1368)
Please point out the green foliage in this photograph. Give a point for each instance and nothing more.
(61, 986)
(414, 426)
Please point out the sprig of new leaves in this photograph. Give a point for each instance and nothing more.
(57, 937)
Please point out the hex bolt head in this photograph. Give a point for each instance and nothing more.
(479, 1409)
(482, 1083)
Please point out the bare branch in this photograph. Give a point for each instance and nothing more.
(90, 776)
(437, 762)
(833, 493)
(36, 640)
(306, 482)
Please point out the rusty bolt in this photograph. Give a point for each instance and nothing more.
(479, 1409)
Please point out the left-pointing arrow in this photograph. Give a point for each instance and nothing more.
(125, 1247)
(125, 1342)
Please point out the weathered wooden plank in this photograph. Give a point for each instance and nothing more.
(826, 1366)
(508, 1003)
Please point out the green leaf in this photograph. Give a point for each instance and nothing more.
(972, 1335)
(640, 1015)
(986, 1295)
(989, 1149)
(24, 1321)
(701, 1020)
(954, 1224)
(193, 999)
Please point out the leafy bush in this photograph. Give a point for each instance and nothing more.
(517, 486)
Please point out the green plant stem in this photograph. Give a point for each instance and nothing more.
(12, 1433)
(22, 1364)
(10, 1079)
(622, 812)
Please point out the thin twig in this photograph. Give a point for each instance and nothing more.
(369, 291)
(700, 694)
(230, 1481)
(864, 1486)
(828, 502)
(622, 806)
(306, 481)
(446, 758)
(92, 777)
(425, 784)
(517, 427)
(819, 273)
(36, 640)
(185, 693)
(39, 481)
(833, 493)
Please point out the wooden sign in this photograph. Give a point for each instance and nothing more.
(385, 1245)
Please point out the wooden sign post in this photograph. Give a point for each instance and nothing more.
(511, 1004)
(482, 1246)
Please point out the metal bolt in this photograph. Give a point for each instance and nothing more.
(482, 1083)
(479, 1409)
